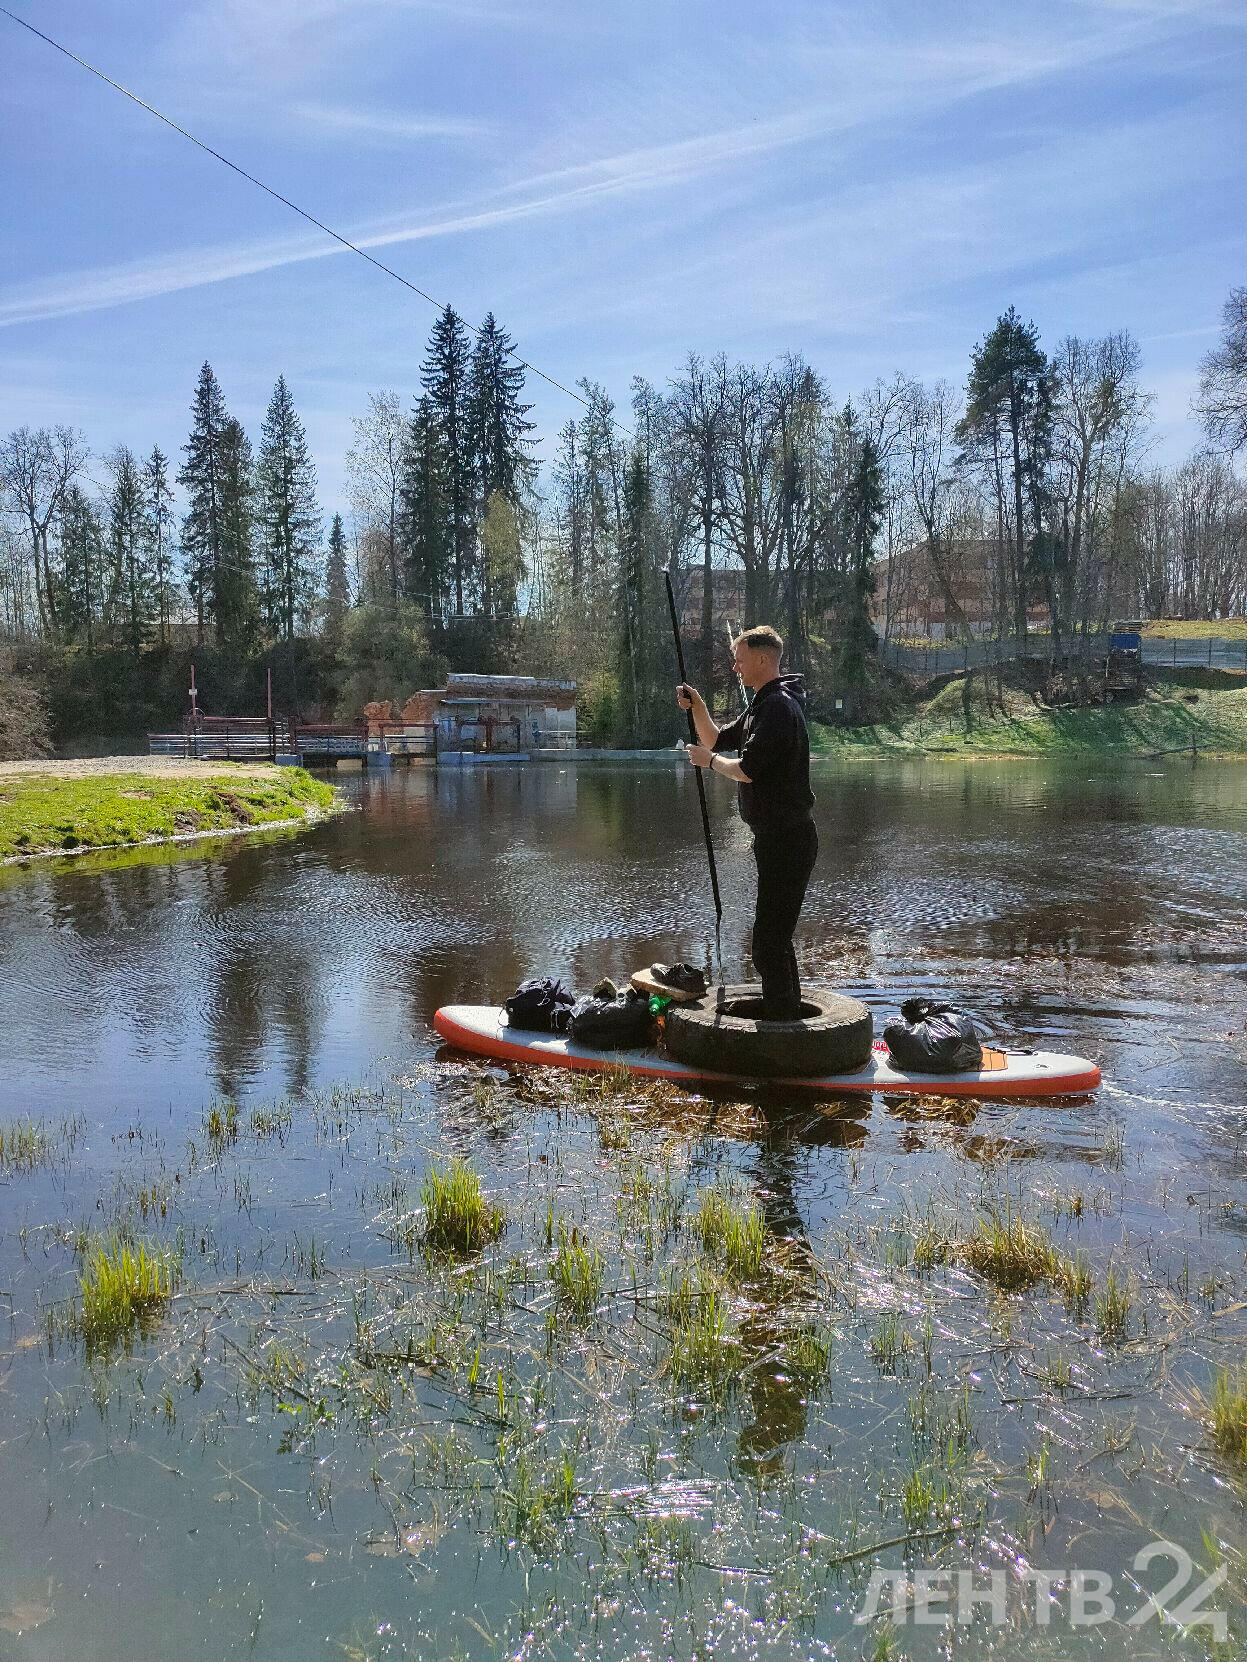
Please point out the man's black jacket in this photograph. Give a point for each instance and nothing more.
(774, 749)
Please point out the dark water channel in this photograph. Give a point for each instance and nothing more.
(301, 1458)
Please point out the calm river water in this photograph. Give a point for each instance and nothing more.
(279, 1469)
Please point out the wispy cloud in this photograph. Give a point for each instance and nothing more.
(863, 82)
(558, 191)
(387, 127)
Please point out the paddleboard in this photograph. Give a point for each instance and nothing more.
(483, 1030)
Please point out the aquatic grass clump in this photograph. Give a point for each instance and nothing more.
(731, 1232)
(807, 1356)
(889, 1343)
(221, 1122)
(532, 1499)
(272, 1119)
(1229, 1413)
(1011, 1253)
(651, 1205)
(457, 1217)
(124, 1286)
(24, 1146)
(1015, 1253)
(704, 1351)
(578, 1272)
(1112, 1308)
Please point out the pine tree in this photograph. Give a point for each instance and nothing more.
(337, 585)
(289, 513)
(130, 599)
(158, 528)
(1007, 430)
(200, 478)
(444, 376)
(82, 566)
(428, 554)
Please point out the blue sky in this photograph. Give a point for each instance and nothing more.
(620, 183)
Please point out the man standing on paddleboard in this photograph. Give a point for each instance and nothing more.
(773, 776)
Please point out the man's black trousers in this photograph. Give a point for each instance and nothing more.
(785, 860)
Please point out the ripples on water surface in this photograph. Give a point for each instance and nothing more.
(328, 1447)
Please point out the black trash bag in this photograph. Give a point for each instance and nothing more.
(622, 1023)
(540, 1006)
(933, 1038)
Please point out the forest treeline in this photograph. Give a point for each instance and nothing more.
(1026, 493)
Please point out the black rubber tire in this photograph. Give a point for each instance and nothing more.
(722, 1032)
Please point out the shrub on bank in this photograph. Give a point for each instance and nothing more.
(24, 727)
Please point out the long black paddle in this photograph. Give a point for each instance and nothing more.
(701, 784)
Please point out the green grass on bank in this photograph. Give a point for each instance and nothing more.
(1195, 629)
(44, 812)
(960, 722)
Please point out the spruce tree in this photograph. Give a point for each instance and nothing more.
(158, 527)
(428, 553)
(200, 477)
(862, 513)
(444, 377)
(82, 566)
(130, 598)
(502, 556)
(236, 597)
(337, 585)
(499, 428)
(289, 513)
(571, 494)
(638, 615)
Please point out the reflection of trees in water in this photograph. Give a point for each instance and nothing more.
(254, 995)
(254, 986)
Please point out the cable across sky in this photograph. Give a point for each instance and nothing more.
(286, 202)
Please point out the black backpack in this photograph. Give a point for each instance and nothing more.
(540, 1006)
(933, 1038)
(622, 1023)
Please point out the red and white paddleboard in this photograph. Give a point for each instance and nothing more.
(483, 1030)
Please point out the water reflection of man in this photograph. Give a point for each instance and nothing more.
(773, 776)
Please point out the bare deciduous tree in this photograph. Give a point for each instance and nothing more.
(374, 482)
(1221, 402)
(37, 467)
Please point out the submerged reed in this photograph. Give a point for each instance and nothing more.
(23, 1146)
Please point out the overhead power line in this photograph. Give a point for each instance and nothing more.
(286, 202)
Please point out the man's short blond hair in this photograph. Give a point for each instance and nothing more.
(761, 638)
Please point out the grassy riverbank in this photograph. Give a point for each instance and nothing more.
(1185, 709)
(1196, 629)
(65, 807)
